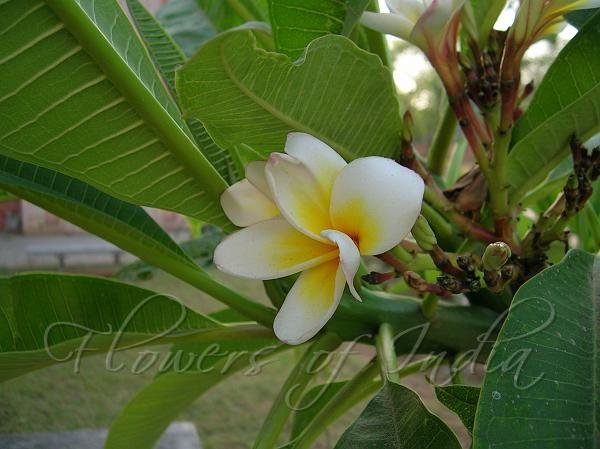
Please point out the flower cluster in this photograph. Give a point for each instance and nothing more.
(308, 211)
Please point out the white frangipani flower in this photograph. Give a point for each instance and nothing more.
(425, 23)
(309, 211)
(535, 17)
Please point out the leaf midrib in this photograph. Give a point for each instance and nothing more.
(280, 115)
(178, 143)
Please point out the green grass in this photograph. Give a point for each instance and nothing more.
(227, 417)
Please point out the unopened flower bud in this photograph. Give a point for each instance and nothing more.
(423, 234)
(495, 256)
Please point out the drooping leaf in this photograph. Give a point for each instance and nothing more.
(148, 414)
(79, 95)
(168, 57)
(245, 95)
(186, 23)
(462, 400)
(542, 385)
(126, 225)
(396, 418)
(297, 22)
(50, 318)
(566, 103)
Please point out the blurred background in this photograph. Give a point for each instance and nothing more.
(229, 416)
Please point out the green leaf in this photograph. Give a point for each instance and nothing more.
(462, 400)
(566, 103)
(243, 94)
(396, 418)
(165, 53)
(579, 17)
(49, 318)
(79, 95)
(586, 224)
(167, 57)
(227, 14)
(186, 23)
(295, 23)
(312, 403)
(126, 225)
(148, 414)
(542, 385)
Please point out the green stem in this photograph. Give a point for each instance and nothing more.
(386, 354)
(429, 305)
(253, 310)
(292, 391)
(499, 187)
(376, 40)
(438, 152)
(440, 225)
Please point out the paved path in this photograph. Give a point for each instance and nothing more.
(179, 435)
(19, 252)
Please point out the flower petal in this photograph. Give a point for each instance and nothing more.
(394, 24)
(310, 303)
(410, 9)
(269, 250)
(318, 157)
(245, 205)
(255, 173)
(298, 195)
(349, 257)
(376, 201)
(436, 24)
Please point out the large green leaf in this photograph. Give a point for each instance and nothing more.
(148, 414)
(79, 95)
(397, 419)
(245, 95)
(167, 57)
(542, 387)
(462, 400)
(126, 225)
(48, 318)
(566, 103)
(297, 22)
